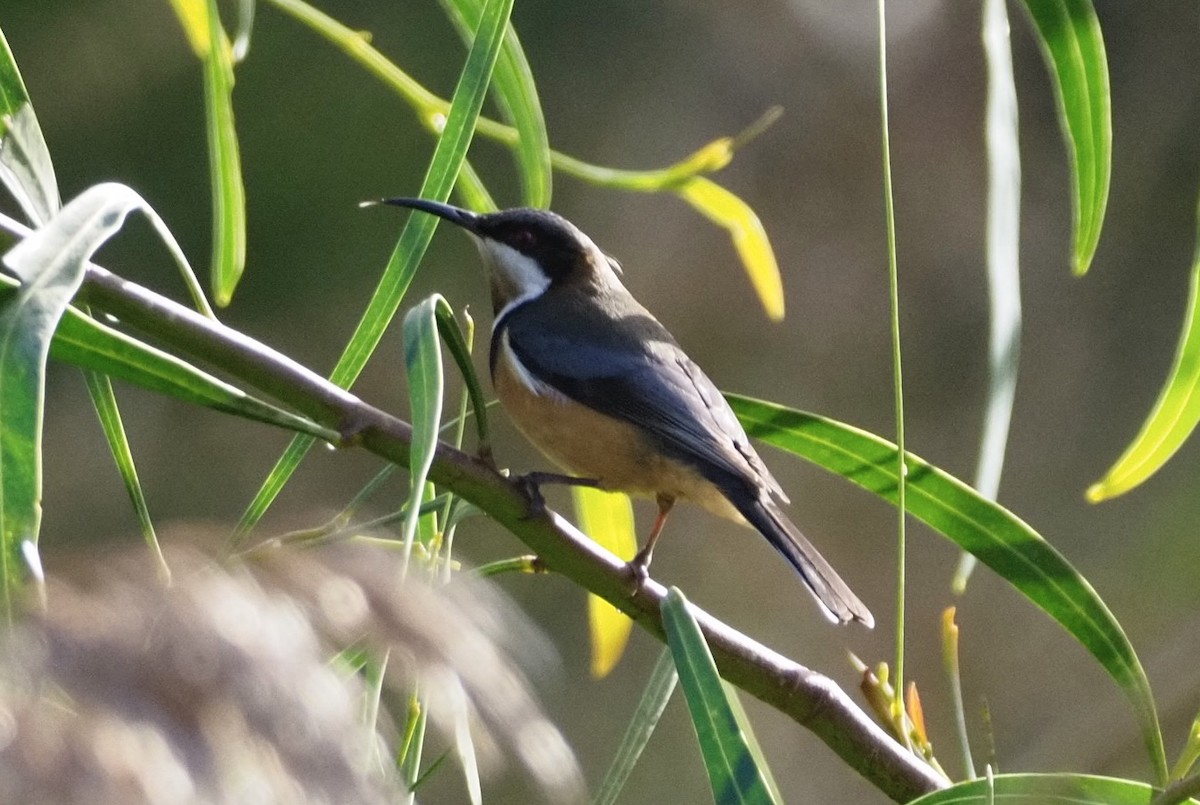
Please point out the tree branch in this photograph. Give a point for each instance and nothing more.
(809, 698)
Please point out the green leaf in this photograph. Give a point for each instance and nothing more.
(1074, 47)
(649, 710)
(50, 266)
(25, 166)
(516, 95)
(423, 362)
(606, 517)
(743, 721)
(105, 402)
(732, 770)
(88, 344)
(1003, 264)
(224, 162)
(996, 536)
(749, 238)
(456, 342)
(443, 170)
(1042, 789)
(1174, 415)
(13, 94)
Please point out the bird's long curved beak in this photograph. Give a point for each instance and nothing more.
(455, 215)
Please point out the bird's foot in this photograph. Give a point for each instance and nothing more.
(533, 493)
(639, 569)
(531, 483)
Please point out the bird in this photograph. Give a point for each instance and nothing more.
(599, 386)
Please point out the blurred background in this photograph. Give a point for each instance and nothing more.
(635, 84)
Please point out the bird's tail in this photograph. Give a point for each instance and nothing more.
(833, 594)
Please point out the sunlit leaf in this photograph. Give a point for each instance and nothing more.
(25, 167)
(225, 164)
(414, 238)
(1070, 34)
(1042, 789)
(193, 16)
(460, 350)
(426, 386)
(732, 770)
(1003, 265)
(749, 238)
(50, 266)
(1174, 415)
(996, 536)
(13, 94)
(608, 519)
(516, 95)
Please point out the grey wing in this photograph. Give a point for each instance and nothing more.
(638, 373)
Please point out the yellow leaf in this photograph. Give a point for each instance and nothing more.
(749, 238)
(608, 519)
(1176, 413)
(193, 15)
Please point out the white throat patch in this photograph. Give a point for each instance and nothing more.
(518, 271)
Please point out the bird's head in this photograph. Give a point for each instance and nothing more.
(527, 251)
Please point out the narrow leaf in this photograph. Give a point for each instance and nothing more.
(423, 362)
(734, 775)
(25, 166)
(650, 708)
(105, 402)
(193, 16)
(50, 266)
(1176, 412)
(1042, 789)
(414, 238)
(460, 350)
(516, 95)
(608, 519)
(225, 164)
(749, 238)
(88, 344)
(743, 721)
(13, 94)
(1074, 47)
(1003, 266)
(997, 537)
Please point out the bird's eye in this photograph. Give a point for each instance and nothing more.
(523, 239)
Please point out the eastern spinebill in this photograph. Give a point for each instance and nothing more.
(598, 384)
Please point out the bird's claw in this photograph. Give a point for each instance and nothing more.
(639, 570)
(529, 487)
(531, 482)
